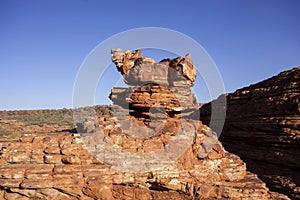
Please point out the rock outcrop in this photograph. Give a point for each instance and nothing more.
(59, 166)
(137, 70)
(263, 127)
(164, 86)
(148, 146)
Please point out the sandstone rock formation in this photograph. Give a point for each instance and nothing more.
(137, 70)
(263, 127)
(164, 85)
(148, 146)
(59, 166)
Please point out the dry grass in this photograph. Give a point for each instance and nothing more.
(15, 123)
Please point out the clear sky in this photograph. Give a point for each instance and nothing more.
(43, 43)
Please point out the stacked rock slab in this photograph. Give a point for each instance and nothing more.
(163, 86)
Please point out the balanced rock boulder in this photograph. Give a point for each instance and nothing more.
(137, 70)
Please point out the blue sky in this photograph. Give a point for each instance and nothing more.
(43, 43)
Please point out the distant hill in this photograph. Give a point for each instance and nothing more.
(15, 123)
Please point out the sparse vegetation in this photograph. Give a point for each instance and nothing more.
(14, 123)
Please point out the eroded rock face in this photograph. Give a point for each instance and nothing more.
(137, 70)
(159, 90)
(59, 166)
(124, 61)
(147, 96)
(263, 127)
(147, 146)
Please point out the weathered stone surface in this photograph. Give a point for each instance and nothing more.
(187, 178)
(263, 127)
(152, 149)
(139, 71)
(52, 159)
(147, 73)
(161, 90)
(184, 69)
(125, 60)
(147, 96)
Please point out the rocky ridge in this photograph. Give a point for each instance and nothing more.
(263, 127)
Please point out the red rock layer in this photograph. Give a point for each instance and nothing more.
(263, 127)
(61, 166)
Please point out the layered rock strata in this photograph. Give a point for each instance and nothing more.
(147, 146)
(59, 166)
(263, 127)
(163, 86)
